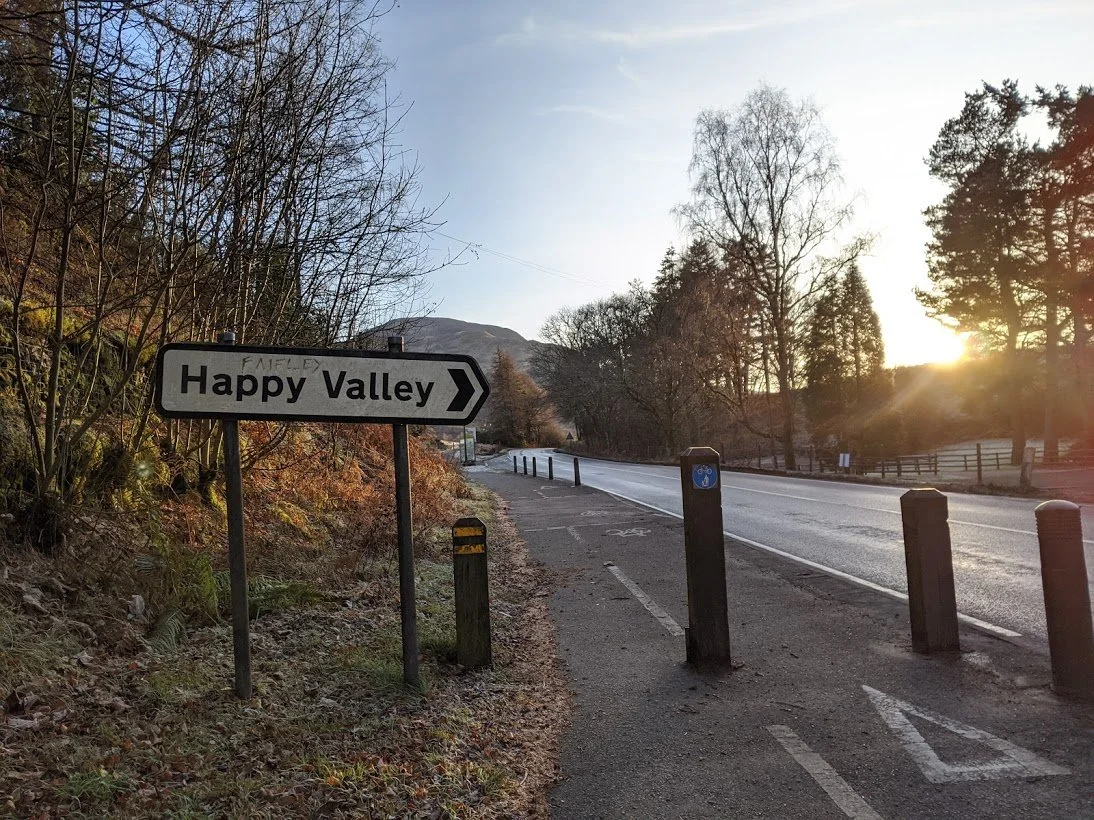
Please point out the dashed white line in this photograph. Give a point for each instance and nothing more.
(854, 579)
(827, 778)
(663, 617)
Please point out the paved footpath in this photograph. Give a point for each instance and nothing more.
(827, 711)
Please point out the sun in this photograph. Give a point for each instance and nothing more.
(946, 348)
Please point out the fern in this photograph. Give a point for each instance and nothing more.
(168, 631)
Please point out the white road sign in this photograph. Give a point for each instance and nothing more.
(302, 384)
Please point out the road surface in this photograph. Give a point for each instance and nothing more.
(856, 529)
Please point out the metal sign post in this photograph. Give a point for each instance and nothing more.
(237, 553)
(405, 528)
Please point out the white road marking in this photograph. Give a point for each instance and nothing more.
(588, 524)
(854, 579)
(663, 617)
(1006, 529)
(834, 503)
(1014, 761)
(572, 532)
(638, 532)
(827, 778)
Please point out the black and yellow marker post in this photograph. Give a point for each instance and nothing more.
(472, 593)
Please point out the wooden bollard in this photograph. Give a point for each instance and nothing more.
(472, 594)
(525, 458)
(577, 474)
(707, 635)
(979, 464)
(550, 468)
(1067, 598)
(514, 465)
(932, 604)
(533, 466)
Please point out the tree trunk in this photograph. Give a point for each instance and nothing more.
(1052, 380)
(1017, 403)
(1083, 382)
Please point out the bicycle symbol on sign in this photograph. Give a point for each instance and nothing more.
(704, 477)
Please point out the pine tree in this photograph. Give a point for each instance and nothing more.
(846, 383)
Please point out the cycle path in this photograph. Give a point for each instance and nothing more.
(826, 712)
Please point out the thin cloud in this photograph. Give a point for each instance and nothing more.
(626, 72)
(532, 32)
(586, 110)
(995, 15)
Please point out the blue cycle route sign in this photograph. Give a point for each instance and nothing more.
(704, 476)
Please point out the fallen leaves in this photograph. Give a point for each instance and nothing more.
(99, 731)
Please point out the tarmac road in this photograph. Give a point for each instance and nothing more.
(856, 529)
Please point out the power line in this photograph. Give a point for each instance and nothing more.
(561, 274)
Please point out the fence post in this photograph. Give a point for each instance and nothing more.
(966, 457)
(1067, 598)
(899, 467)
(979, 464)
(577, 474)
(533, 466)
(934, 462)
(883, 466)
(707, 635)
(471, 594)
(932, 604)
(810, 459)
(514, 465)
(759, 456)
(998, 466)
(550, 468)
(525, 460)
(775, 460)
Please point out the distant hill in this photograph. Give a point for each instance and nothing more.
(430, 334)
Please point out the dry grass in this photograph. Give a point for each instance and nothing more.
(129, 731)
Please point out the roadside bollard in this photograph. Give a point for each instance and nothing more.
(577, 474)
(1067, 598)
(932, 604)
(514, 465)
(525, 464)
(707, 635)
(471, 593)
(550, 468)
(533, 466)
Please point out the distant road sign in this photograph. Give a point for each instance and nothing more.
(307, 384)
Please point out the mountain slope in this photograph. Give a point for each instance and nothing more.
(430, 334)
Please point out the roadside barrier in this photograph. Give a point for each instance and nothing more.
(471, 593)
(707, 634)
(1067, 598)
(533, 466)
(932, 605)
(550, 468)
(514, 465)
(577, 474)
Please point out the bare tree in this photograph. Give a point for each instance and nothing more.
(766, 188)
(172, 167)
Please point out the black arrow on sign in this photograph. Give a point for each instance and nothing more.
(464, 390)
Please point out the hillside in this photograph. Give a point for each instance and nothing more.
(430, 334)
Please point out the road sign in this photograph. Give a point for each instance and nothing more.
(306, 384)
(704, 476)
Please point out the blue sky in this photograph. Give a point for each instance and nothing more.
(560, 132)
